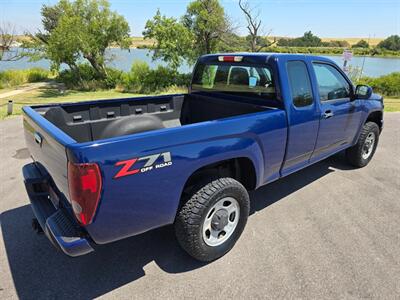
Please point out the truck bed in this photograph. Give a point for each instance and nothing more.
(90, 121)
(208, 129)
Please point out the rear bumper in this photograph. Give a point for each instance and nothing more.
(61, 229)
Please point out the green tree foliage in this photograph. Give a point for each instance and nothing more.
(391, 43)
(50, 18)
(233, 43)
(173, 41)
(336, 43)
(388, 85)
(307, 40)
(63, 44)
(82, 28)
(200, 31)
(207, 21)
(361, 44)
(142, 79)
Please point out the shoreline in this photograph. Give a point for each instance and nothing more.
(306, 50)
(396, 56)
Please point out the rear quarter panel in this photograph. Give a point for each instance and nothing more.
(133, 204)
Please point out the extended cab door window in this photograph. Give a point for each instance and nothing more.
(331, 84)
(303, 117)
(300, 85)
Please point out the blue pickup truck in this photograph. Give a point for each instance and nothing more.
(107, 170)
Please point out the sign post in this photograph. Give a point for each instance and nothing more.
(347, 56)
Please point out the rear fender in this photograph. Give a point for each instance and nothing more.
(138, 202)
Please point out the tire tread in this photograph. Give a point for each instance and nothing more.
(353, 154)
(189, 218)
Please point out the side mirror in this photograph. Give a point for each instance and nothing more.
(363, 91)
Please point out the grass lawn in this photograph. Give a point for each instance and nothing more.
(46, 95)
(391, 104)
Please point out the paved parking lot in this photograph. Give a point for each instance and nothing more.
(328, 231)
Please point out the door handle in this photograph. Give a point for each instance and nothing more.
(327, 114)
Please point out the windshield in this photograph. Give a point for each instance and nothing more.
(234, 78)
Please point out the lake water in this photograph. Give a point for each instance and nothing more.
(123, 59)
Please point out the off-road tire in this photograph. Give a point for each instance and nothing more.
(190, 218)
(354, 153)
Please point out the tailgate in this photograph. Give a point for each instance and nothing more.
(47, 146)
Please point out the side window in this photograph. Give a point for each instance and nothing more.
(300, 85)
(331, 84)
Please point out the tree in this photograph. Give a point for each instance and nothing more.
(253, 24)
(83, 28)
(361, 44)
(255, 38)
(307, 40)
(7, 40)
(203, 29)
(336, 43)
(310, 40)
(50, 18)
(391, 43)
(208, 23)
(63, 44)
(37, 42)
(100, 28)
(173, 41)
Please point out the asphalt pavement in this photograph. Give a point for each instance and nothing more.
(329, 231)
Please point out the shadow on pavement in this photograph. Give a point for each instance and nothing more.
(273, 192)
(39, 271)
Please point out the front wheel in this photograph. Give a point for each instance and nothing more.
(361, 153)
(212, 220)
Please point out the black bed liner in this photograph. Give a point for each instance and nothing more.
(100, 120)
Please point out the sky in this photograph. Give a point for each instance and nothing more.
(289, 18)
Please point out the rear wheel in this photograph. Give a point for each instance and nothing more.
(212, 220)
(361, 153)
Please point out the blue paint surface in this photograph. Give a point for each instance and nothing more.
(277, 142)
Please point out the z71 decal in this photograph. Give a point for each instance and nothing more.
(131, 166)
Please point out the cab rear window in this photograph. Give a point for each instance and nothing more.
(234, 78)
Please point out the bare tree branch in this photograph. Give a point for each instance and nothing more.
(253, 23)
(254, 27)
(8, 39)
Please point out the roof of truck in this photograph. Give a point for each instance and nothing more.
(264, 56)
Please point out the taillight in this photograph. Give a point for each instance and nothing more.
(84, 182)
(230, 58)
